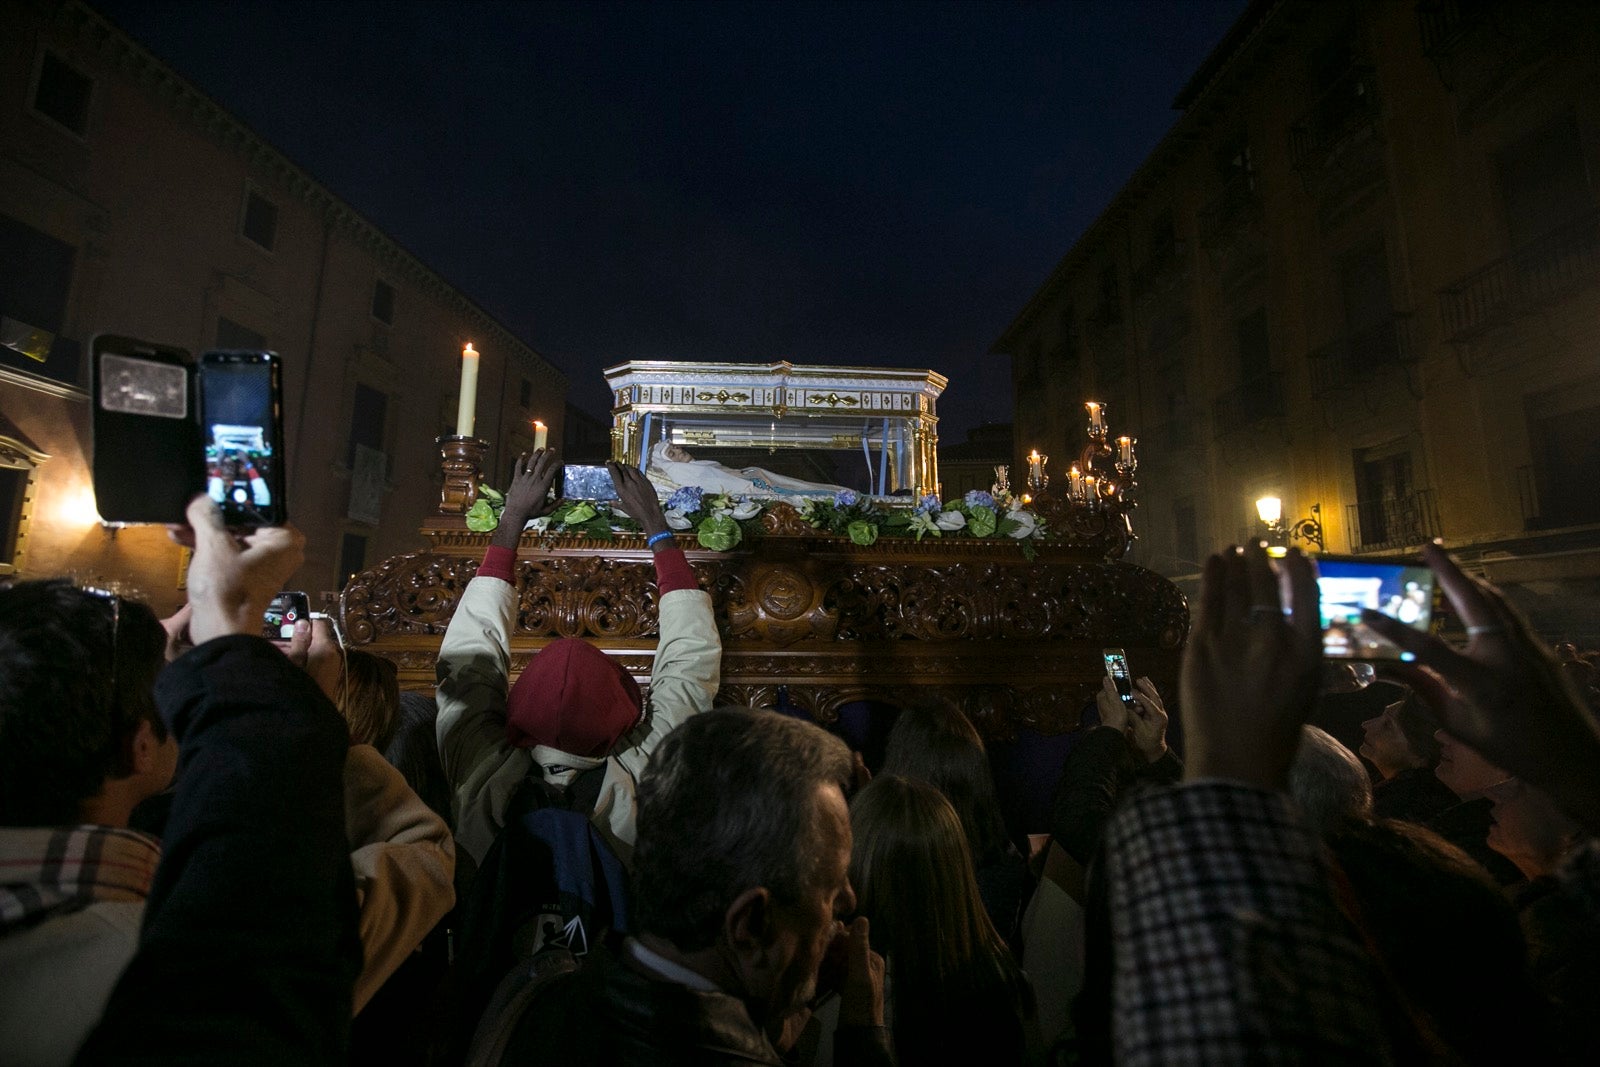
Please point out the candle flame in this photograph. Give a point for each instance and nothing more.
(538, 425)
(469, 350)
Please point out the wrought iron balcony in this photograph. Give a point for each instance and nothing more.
(1255, 400)
(1540, 271)
(1224, 214)
(1347, 109)
(1350, 358)
(1389, 522)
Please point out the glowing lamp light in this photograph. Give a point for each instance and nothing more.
(1270, 508)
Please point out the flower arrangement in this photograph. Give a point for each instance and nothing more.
(721, 523)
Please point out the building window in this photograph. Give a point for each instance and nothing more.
(352, 557)
(525, 394)
(260, 223)
(1566, 466)
(18, 465)
(1390, 510)
(35, 281)
(367, 420)
(62, 94)
(383, 302)
(230, 335)
(1543, 181)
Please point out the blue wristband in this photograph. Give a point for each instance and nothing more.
(656, 539)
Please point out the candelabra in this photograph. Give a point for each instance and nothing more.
(462, 464)
(1100, 485)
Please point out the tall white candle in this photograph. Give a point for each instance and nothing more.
(1125, 450)
(541, 434)
(1035, 465)
(467, 407)
(1096, 420)
(1075, 479)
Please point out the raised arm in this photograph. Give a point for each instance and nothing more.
(688, 663)
(483, 768)
(249, 945)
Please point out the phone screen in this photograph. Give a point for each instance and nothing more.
(1117, 668)
(587, 483)
(240, 405)
(1403, 591)
(287, 608)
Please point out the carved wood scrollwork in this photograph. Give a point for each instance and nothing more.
(1015, 644)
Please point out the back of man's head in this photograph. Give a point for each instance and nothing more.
(728, 803)
(77, 677)
(1328, 781)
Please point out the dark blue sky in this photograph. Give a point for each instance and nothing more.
(825, 183)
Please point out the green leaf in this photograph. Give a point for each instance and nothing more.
(719, 533)
(862, 533)
(981, 521)
(493, 495)
(481, 517)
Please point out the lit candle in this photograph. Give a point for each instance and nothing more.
(467, 408)
(1125, 451)
(1096, 419)
(1035, 466)
(541, 435)
(1075, 479)
(1091, 489)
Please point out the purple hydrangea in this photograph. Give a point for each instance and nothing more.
(977, 498)
(928, 505)
(846, 498)
(686, 500)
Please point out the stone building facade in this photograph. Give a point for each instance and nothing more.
(132, 204)
(1362, 274)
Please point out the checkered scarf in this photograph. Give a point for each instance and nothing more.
(45, 871)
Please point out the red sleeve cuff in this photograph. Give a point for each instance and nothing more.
(673, 571)
(499, 562)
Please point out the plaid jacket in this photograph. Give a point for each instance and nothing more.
(1229, 947)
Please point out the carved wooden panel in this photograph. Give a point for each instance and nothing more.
(1015, 643)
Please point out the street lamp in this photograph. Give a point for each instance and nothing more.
(1309, 530)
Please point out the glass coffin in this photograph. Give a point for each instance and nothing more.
(777, 429)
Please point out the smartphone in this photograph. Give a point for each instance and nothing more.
(1117, 669)
(1346, 585)
(587, 483)
(286, 609)
(147, 458)
(241, 413)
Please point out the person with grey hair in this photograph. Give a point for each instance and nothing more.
(741, 872)
(1328, 782)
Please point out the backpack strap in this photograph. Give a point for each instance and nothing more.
(512, 998)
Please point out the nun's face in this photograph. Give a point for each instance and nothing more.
(677, 454)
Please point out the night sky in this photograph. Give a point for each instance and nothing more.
(825, 183)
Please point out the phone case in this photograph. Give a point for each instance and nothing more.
(144, 430)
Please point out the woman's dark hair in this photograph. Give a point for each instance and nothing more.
(939, 745)
(1446, 937)
(914, 881)
(1418, 726)
(413, 750)
(371, 698)
(77, 677)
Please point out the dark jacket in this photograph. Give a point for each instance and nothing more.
(249, 947)
(1415, 795)
(1099, 769)
(611, 1013)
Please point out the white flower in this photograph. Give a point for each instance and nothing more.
(950, 520)
(1025, 523)
(677, 520)
(746, 509)
(922, 523)
(539, 525)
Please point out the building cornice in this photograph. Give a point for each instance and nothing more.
(193, 106)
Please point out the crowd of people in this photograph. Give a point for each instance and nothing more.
(215, 848)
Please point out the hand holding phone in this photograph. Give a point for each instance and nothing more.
(1403, 590)
(286, 609)
(1117, 671)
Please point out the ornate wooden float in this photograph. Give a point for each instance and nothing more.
(814, 621)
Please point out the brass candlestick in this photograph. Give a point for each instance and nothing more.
(462, 463)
